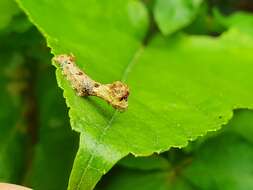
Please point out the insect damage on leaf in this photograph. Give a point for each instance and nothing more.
(115, 94)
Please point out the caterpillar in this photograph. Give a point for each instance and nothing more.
(116, 93)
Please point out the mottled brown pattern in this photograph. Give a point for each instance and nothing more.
(115, 94)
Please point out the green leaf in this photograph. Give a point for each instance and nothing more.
(226, 164)
(55, 151)
(217, 165)
(172, 15)
(205, 23)
(230, 166)
(8, 9)
(241, 124)
(214, 165)
(181, 87)
(240, 20)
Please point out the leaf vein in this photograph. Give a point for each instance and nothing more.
(103, 132)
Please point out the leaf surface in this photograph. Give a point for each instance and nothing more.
(8, 9)
(239, 20)
(181, 86)
(214, 165)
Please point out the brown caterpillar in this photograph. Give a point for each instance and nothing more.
(115, 94)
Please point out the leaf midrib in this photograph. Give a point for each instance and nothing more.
(124, 77)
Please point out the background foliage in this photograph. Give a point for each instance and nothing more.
(188, 65)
